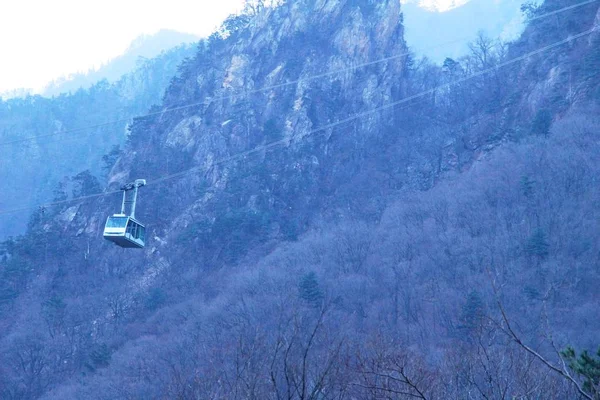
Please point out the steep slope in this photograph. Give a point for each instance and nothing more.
(282, 47)
(355, 261)
(24, 164)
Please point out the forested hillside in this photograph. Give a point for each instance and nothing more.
(331, 218)
(35, 154)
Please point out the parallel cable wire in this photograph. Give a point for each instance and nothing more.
(187, 171)
(288, 140)
(268, 146)
(270, 87)
(227, 97)
(561, 10)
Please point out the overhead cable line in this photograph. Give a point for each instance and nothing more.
(288, 140)
(567, 8)
(270, 87)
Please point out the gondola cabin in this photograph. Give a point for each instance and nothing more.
(125, 231)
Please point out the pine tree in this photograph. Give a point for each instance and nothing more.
(542, 122)
(538, 244)
(527, 186)
(586, 366)
(309, 289)
(99, 357)
(472, 311)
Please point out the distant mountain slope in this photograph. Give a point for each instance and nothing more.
(144, 47)
(427, 29)
(31, 169)
(309, 240)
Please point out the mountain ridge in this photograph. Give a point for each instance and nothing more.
(379, 247)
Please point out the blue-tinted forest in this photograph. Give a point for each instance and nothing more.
(45, 143)
(331, 217)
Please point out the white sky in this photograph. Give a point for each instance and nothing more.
(41, 40)
(438, 5)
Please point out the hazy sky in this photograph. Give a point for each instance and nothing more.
(439, 5)
(41, 40)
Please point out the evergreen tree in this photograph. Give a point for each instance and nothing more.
(309, 289)
(85, 184)
(472, 312)
(542, 122)
(110, 159)
(450, 65)
(527, 186)
(586, 366)
(538, 244)
(99, 357)
(156, 298)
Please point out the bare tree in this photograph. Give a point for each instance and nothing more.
(389, 373)
(561, 369)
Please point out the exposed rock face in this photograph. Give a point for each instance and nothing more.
(278, 84)
(268, 82)
(278, 179)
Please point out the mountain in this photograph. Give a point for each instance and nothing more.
(34, 163)
(394, 229)
(143, 48)
(438, 33)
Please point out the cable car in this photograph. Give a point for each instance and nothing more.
(123, 229)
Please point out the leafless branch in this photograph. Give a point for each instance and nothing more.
(388, 390)
(513, 335)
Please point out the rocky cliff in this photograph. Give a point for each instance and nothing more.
(306, 241)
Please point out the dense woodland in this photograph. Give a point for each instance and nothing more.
(303, 246)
